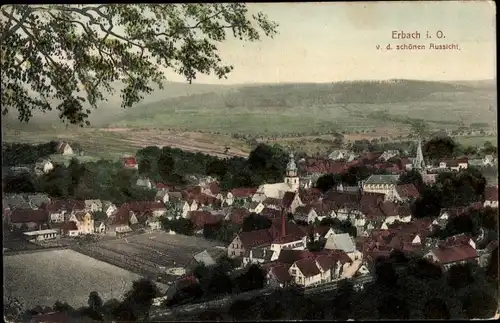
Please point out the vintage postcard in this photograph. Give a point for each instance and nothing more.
(249, 161)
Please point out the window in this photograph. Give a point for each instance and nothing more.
(294, 272)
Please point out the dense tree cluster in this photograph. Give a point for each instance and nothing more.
(265, 164)
(16, 154)
(352, 177)
(223, 231)
(105, 180)
(217, 280)
(452, 189)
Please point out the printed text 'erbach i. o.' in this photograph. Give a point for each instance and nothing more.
(436, 41)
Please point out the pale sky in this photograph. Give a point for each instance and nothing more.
(327, 42)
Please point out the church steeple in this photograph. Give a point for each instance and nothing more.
(291, 176)
(291, 167)
(418, 162)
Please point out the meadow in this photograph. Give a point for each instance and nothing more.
(477, 140)
(43, 278)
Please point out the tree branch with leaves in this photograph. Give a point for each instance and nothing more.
(73, 54)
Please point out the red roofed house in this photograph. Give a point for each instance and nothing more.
(306, 213)
(453, 255)
(331, 266)
(119, 223)
(241, 193)
(84, 222)
(200, 218)
(458, 240)
(211, 189)
(28, 218)
(244, 241)
(310, 195)
(60, 210)
(70, 229)
(279, 275)
(237, 215)
(281, 235)
(290, 201)
(491, 196)
(156, 208)
(403, 193)
(306, 272)
(130, 163)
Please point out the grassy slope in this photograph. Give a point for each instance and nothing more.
(289, 108)
(112, 110)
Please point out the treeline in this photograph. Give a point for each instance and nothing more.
(105, 180)
(16, 154)
(218, 280)
(265, 164)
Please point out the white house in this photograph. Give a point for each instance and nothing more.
(341, 154)
(189, 206)
(347, 213)
(388, 154)
(64, 148)
(99, 227)
(307, 213)
(93, 205)
(153, 223)
(145, 183)
(257, 255)
(288, 242)
(305, 272)
(44, 167)
(255, 207)
(162, 196)
(448, 256)
(109, 208)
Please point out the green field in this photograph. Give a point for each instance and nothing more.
(477, 140)
(96, 144)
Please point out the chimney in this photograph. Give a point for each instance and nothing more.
(283, 222)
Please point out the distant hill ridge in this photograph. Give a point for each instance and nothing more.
(309, 94)
(183, 97)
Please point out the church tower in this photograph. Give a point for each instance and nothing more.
(291, 176)
(418, 162)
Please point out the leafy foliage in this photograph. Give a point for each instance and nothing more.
(59, 52)
(223, 231)
(328, 181)
(254, 222)
(137, 301)
(412, 177)
(15, 154)
(440, 148)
